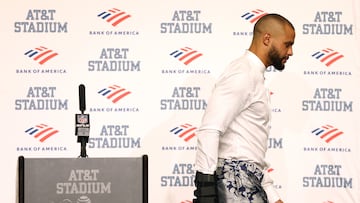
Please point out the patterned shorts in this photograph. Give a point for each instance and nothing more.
(240, 182)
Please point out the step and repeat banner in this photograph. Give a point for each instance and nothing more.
(149, 67)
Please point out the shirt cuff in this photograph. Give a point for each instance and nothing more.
(271, 193)
(268, 185)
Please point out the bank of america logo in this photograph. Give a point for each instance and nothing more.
(253, 15)
(327, 132)
(114, 93)
(327, 56)
(184, 131)
(41, 54)
(186, 55)
(114, 16)
(41, 132)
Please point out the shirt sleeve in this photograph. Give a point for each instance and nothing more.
(207, 151)
(268, 185)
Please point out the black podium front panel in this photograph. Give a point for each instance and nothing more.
(83, 180)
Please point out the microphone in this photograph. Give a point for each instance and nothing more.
(82, 100)
(82, 122)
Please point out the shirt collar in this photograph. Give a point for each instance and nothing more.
(258, 64)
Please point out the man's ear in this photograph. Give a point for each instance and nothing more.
(266, 39)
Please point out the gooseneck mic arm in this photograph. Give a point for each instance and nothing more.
(82, 122)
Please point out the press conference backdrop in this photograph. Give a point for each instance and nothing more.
(149, 67)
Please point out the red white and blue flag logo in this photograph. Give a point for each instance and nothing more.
(41, 132)
(114, 16)
(254, 15)
(186, 55)
(41, 54)
(327, 56)
(327, 132)
(114, 93)
(184, 131)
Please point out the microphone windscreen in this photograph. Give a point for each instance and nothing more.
(82, 103)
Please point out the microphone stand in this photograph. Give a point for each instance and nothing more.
(83, 148)
(82, 122)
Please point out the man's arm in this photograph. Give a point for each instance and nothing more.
(207, 151)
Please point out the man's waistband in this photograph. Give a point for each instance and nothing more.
(244, 165)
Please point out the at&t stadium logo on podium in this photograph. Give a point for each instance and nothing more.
(114, 17)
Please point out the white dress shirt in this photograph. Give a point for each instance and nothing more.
(236, 124)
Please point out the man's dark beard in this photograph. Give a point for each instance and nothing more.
(275, 59)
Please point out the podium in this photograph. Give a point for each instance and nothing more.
(83, 180)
